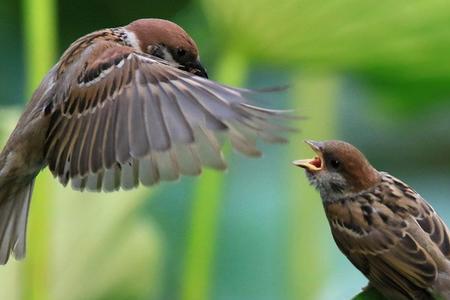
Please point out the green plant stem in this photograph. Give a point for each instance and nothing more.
(315, 97)
(40, 49)
(40, 39)
(200, 249)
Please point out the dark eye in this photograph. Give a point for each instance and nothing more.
(335, 164)
(181, 52)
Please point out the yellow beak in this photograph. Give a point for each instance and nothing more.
(315, 164)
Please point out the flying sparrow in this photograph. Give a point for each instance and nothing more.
(124, 106)
(385, 228)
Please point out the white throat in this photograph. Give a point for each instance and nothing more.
(168, 57)
(132, 40)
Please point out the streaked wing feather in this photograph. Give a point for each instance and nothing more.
(111, 179)
(148, 171)
(95, 149)
(129, 174)
(194, 110)
(77, 149)
(180, 130)
(108, 148)
(122, 132)
(208, 149)
(85, 146)
(155, 124)
(127, 118)
(167, 166)
(384, 233)
(139, 143)
(187, 159)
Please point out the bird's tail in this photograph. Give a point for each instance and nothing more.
(15, 198)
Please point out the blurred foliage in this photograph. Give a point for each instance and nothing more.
(40, 52)
(315, 94)
(205, 211)
(373, 72)
(397, 47)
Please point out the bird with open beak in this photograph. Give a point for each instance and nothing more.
(124, 106)
(386, 229)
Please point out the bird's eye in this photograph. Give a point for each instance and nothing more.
(335, 164)
(181, 52)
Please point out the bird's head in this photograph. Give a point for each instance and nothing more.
(168, 41)
(338, 169)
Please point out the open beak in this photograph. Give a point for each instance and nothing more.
(315, 164)
(197, 69)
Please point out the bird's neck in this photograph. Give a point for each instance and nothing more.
(335, 193)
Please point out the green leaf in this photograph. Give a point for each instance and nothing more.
(398, 48)
(315, 97)
(200, 252)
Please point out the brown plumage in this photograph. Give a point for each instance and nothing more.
(386, 229)
(124, 106)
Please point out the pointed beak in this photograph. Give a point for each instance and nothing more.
(315, 164)
(196, 68)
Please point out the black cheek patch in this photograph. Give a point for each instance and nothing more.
(156, 51)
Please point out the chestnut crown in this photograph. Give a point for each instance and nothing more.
(168, 41)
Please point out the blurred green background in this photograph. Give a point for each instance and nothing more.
(374, 73)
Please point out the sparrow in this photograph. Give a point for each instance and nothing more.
(125, 106)
(385, 228)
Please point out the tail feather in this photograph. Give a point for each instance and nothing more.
(14, 206)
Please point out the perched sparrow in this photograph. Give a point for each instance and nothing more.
(387, 230)
(124, 106)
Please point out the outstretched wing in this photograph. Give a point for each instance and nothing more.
(125, 117)
(386, 234)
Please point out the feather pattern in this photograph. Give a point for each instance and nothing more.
(125, 117)
(109, 116)
(387, 233)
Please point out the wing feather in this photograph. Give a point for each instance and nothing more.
(187, 159)
(148, 171)
(208, 149)
(85, 145)
(122, 132)
(124, 117)
(139, 143)
(155, 124)
(388, 234)
(108, 146)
